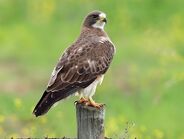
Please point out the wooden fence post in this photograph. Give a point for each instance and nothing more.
(90, 122)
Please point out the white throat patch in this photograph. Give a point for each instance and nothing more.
(100, 24)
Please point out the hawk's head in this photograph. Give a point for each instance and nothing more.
(95, 19)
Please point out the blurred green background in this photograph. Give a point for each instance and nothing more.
(143, 90)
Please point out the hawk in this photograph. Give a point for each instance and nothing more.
(81, 67)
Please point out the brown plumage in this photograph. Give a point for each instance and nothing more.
(81, 64)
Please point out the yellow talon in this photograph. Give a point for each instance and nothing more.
(92, 103)
(82, 100)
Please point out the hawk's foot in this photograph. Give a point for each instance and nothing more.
(92, 103)
(81, 101)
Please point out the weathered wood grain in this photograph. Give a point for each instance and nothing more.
(90, 122)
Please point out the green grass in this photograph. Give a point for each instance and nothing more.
(144, 86)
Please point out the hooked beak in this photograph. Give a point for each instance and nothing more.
(102, 17)
(104, 20)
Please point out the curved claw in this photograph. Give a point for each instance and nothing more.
(82, 100)
(92, 103)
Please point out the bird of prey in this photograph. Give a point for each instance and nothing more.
(81, 67)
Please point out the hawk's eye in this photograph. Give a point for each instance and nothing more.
(95, 16)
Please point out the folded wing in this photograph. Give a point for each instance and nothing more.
(79, 66)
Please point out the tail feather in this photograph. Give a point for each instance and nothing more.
(49, 98)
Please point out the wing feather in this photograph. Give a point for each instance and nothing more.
(82, 63)
(79, 66)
